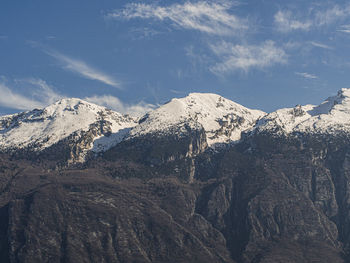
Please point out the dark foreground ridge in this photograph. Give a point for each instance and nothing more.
(263, 200)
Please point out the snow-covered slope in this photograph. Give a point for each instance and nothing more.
(88, 127)
(41, 128)
(331, 116)
(223, 120)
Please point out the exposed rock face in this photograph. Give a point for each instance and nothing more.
(166, 194)
(277, 201)
(267, 199)
(63, 219)
(172, 154)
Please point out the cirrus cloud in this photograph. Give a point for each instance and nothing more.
(244, 57)
(82, 68)
(41, 95)
(204, 16)
(286, 21)
(306, 75)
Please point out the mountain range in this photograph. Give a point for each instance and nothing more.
(199, 179)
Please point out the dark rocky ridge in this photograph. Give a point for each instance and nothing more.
(266, 199)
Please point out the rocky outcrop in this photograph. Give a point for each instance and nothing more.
(101, 220)
(171, 154)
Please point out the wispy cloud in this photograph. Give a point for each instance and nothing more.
(13, 100)
(331, 15)
(137, 109)
(42, 91)
(204, 16)
(141, 33)
(41, 95)
(244, 57)
(344, 29)
(82, 68)
(292, 45)
(306, 75)
(286, 21)
(320, 45)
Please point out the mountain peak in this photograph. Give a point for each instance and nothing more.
(203, 95)
(65, 105)
(341, 102)
(69, 117)
(70, 101)
(344, 92)
(223, 120)
(332, 115)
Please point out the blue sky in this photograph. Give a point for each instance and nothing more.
(133, 55)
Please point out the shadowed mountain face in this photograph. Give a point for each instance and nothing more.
(279, 194)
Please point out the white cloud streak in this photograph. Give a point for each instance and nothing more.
(81, 68)
(41, 95)
(320, 45)
(116, 104)
(43, 92)
(13, 100)
(244, 57)
(344, 29)
(306, 75)
(331, 15)
(285, 21)
(204, 16)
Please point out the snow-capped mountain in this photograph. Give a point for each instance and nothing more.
(80, 127)
(223, 120)
(331, 116)
(68, 119)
